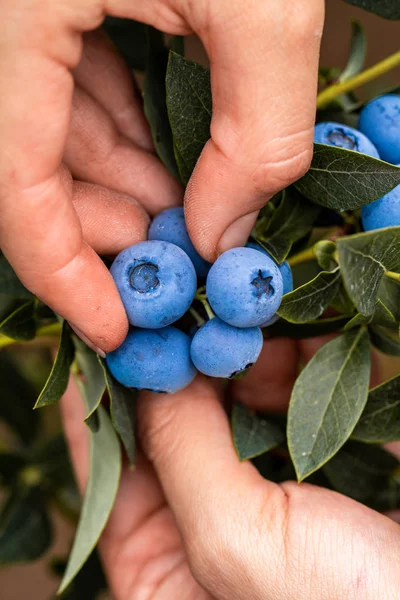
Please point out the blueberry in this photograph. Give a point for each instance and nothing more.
(343, 136)
(384, 212)
(244, 287)
(220, 350)
(380, 122)
(156, 281)
(156, 360)
(170, 226)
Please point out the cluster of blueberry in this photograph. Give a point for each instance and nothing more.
(379, 137)
(157, 281)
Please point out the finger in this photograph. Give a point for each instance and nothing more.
(188, 440)
(268, 384)
(264, 80)
(110, 221)
(96, 152)
(104, 75)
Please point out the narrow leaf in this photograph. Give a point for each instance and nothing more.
(57, 381)
(189, 110)
(327, 401)
(358, 52)
(308, 302)
(101, 490)
(21, 324)
(91, 382)
(380, 420)
(122, 410)
(364, 258)
(346, 180)
(252, 434)
(154, 97)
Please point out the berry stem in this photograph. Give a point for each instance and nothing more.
(54, 329)
(199, 319)
(332, 92)
(392, 275)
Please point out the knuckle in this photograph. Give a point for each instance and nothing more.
(284, 167)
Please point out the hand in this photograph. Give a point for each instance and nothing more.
(193, 523)
(264, 75)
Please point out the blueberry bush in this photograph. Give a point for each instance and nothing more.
(324, 257)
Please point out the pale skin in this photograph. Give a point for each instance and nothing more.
(78, 176)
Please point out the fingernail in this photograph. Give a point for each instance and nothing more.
(86, 340)
(237, 233)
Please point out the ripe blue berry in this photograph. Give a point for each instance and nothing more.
(220, 350)
(156, 360)
(170, 226)
(384, 212)
(380, 122)
(156, 281)
(244, 287)
(343, 136)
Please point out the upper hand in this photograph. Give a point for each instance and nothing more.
(264, 59)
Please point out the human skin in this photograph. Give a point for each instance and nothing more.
(192, 518)
(63, 133)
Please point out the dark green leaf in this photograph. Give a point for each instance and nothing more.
(311, 329)
(10, 465)
(17, 399)
(25, 529)
(91, 382)
(189, 110)
(101, 490)
(380, 420)
(122, 410)
(129, 37)
(359, 470)
(252, 434)
(388, 9)
(57, 381)
(358, 52)
(21, 324)
(382, 316)
(384, 340)
(346, 180)
(292, 219)
(341, 301)
(309, 301)
(327, 401)
(364, 258)
(10, 285)
(389, 295)
(155, 106)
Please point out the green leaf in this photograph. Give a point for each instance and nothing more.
(122, 410)
(290, 221)
(380, 420)
(253, 435)
(189, 110)
(346, 180)
(358, 52)
(384, 341)
(364, 258)
(10, 285)
(17, 399)
(389, 295)
(91, 382)
(388, 9)
(155, 107)
(381, 316)
(359, 470)
(306, 330)
(20, 324)
(101, 490)
(327, 401)
(341, 301)
(309, 301)
(57, 381)
(129, 37)
(25, 529)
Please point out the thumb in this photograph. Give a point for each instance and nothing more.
(264, 82)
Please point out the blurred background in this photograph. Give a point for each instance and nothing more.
(36, 581)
